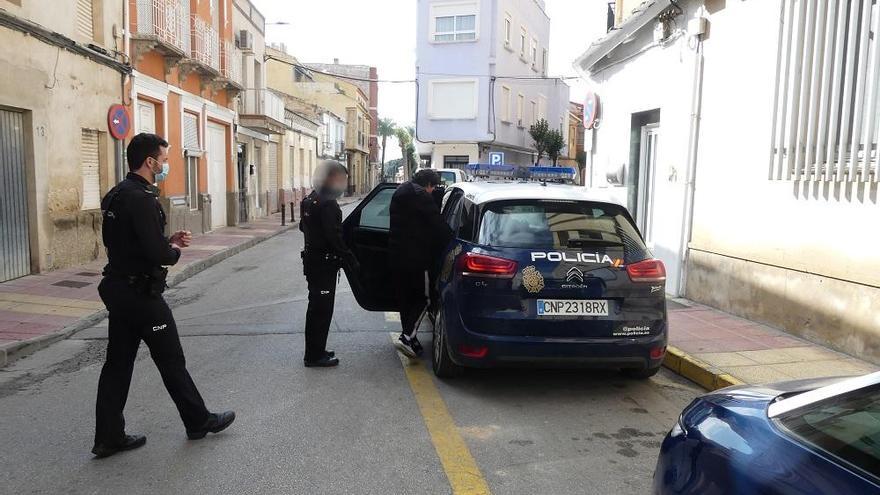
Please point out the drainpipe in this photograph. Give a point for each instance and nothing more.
(693, 148)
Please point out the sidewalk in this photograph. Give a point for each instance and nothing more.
(716, 349)
(37, 310)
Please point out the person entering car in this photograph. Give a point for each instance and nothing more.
(417, 237)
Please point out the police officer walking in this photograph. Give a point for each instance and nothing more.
(417, 237)
(134, 279)
(323, 255)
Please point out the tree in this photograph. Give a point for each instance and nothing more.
(554, 143)
(386, 128)
(405, 141)
(539, 131)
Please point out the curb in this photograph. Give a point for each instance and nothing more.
(15, 350)
(697, 371)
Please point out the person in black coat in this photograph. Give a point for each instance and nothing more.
(323, 255)
(416, 241)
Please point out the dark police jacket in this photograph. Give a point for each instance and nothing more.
(418, 232)
(321, 225)
(134, 228)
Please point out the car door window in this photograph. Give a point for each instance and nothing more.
(450, 209)
(846, 426)
(376, 213)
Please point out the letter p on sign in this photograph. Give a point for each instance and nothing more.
(496, 158)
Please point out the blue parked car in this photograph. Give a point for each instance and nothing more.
(538, 274)
(817, 436)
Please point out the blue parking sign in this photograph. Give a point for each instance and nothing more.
(496, 158)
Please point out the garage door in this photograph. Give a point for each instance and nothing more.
(15, 258)
(217, 174)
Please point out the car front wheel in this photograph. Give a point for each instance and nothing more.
(441, 363)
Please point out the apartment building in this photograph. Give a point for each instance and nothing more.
(64, 69)
(261, 120)
(187, 74)
(744, 137)
(340, 96)
(482, 80)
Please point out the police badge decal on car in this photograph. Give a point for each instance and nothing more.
(533, 281)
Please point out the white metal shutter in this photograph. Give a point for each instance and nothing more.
(146, 117)
(91, 177)
(191, 132)
(272, 186)
(84, 19)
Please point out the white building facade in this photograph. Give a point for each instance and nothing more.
(482, 80)
(743, 137)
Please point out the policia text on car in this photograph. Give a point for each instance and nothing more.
(132, 287)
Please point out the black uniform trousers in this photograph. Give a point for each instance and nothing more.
(135, 317)
(412, 299)
(321, 278)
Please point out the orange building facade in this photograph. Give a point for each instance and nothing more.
(185, 80)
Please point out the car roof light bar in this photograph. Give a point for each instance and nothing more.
(516, 172)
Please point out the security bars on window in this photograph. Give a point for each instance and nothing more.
(827, 100)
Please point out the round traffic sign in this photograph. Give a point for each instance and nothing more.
(118, 121)
(591, 110)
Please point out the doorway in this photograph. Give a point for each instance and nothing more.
(242, 183)
(217, 174)
(15, 255)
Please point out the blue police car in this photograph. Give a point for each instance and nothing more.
(803, 437)
(539, 273)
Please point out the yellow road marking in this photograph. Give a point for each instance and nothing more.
(461, 469)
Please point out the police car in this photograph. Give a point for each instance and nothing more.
(539, 273)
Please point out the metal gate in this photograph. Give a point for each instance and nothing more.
(272, 186)
(15, 256)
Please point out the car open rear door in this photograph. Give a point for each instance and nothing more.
(365, 231)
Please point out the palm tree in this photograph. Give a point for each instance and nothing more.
(386, 128)
(404, 139)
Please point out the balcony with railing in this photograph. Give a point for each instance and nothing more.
(204, 53)
(161, 25)
(230, 66)
(261, 110)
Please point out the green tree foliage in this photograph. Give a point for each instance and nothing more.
(554, 142)
(539, 131)
(387, 128)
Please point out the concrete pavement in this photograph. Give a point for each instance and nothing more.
(353, 429)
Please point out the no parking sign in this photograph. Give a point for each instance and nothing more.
(118, 121)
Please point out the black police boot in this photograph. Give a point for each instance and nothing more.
(330, 354)
(325, 362)
(129, 442)
(410, 346)
(215, 423)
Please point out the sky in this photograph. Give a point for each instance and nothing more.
(321, 30)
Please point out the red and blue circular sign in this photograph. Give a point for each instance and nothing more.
(591, 110)
(118, 121)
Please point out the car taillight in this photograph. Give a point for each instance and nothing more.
(647, 271)
(488, 266)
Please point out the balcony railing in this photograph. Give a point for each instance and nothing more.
(205, 44)
(165, 20)
(261, 102)
(230, 62)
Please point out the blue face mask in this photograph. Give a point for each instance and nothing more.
(163, 174)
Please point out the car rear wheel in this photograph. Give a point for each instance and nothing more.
(640, 374)
(441, 363)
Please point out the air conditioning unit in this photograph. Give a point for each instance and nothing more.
(245, 41)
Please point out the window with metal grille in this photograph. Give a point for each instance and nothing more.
(827, 98)
(90, 170)
(85, 26)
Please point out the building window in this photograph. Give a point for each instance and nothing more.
(523, 41)
(456, 161)
(454, 22)
(452, 99)
(520, 102)
(508, 26)
(192, 151)
(825, 124)
(90, 168)
(85, 19)
(534, 53)
(146, 117)
(542, 107)
(533, 117)
(544, 62)
(505, 104)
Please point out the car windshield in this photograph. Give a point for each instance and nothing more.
(847, 426)
(544, 224)
(447, 178)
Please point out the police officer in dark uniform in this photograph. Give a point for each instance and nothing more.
(324, 254)
(134, 279)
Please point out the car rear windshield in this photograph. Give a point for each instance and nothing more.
(545, 224)
(846, 426)
(447, 178)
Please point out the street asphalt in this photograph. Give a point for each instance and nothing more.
(355, 429)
